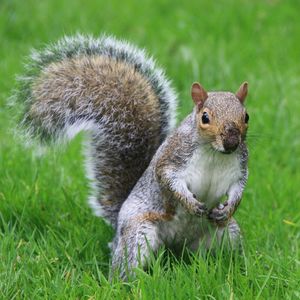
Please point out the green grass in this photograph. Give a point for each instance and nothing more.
(51, 246)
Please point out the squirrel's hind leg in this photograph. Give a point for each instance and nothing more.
(234, 234)
(133, 245)
(227, 237)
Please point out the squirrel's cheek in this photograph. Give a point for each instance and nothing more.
(218, 144)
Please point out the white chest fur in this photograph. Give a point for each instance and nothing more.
(210, 175)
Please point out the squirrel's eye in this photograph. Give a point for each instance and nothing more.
(246, 118)
(205, 118)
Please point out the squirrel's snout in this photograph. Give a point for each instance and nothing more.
(231, 144)
(231, 138)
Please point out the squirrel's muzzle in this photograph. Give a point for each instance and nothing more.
(231, 138)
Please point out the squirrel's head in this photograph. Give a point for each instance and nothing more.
(221, 117)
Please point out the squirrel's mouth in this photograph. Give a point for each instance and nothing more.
(226, 145)
(228, 151)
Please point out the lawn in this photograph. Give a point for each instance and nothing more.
(51, 245)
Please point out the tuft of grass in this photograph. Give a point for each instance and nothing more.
(51, 246)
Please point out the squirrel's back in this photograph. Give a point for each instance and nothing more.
(110, 89)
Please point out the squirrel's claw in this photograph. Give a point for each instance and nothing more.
(220, 213)
(200, 209)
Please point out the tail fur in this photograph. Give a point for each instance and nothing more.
(109, 89)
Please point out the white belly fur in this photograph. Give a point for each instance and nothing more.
(209, 175)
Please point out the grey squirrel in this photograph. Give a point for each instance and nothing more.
(155, 185)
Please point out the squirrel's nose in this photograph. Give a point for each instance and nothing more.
(231, 138)
(231, 143)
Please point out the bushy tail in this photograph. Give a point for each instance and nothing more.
(113, 91)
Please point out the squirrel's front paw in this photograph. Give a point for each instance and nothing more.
(200, 209)
(220, 214)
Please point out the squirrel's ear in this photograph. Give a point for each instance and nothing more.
(242, 92)
(199, 95)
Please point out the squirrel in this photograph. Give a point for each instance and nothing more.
(156, 185)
